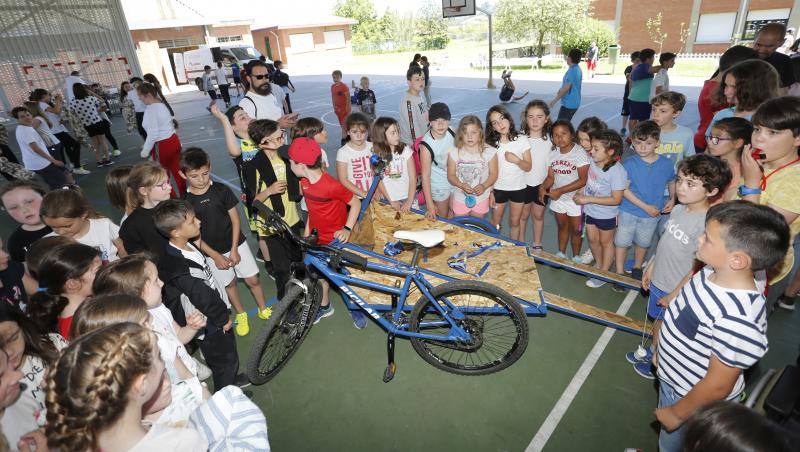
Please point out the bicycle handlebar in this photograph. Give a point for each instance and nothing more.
(276, 222)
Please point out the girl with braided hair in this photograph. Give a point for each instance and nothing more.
(99, 388)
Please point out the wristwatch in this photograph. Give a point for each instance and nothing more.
(346, 228)
(745, 190)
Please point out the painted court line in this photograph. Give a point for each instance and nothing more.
(557, 413)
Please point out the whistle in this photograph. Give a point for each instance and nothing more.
(758, 154)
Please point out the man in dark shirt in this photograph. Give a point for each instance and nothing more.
(768, 39)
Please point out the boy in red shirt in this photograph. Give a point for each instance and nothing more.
(340, 97)
(327, 201)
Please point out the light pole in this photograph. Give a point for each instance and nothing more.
(490, 83)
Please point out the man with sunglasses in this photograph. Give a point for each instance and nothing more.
(261, 102)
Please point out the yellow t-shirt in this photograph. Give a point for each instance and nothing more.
(782, 191)
(290, 216)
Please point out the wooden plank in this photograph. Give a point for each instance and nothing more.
(555, 261)
(600, 315)
(510, 268)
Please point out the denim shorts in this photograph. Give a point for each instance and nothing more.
(655, 311)
(635, 230)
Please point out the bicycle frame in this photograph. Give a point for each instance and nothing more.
(320, 260)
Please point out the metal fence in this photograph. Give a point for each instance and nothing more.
(43, 41)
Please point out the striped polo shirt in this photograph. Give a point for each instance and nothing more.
(706, 319)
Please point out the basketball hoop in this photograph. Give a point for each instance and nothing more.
(458, 8)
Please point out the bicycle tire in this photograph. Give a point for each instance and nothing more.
(280, 323)
(477, 224)
(428, 349)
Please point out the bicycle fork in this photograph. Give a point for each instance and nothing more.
(391, 367)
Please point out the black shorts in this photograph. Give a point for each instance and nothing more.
(640, 111)
(212, 94)
(54, 176)
(532, 195)
(96, 129)
(237, 80)
(506, 93)
(504, 196)
(607, 224)
(626, 107)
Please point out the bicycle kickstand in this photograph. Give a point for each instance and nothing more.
(391, 367)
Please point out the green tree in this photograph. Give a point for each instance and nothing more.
(364, 12)
(584, 31)
(431, 28)
(522, 20)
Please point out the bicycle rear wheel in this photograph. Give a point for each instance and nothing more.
(492, 316)
(283, 333)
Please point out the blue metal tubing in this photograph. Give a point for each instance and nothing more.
(537, 309)
(456, 332)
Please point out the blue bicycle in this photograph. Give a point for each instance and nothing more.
(462, 327)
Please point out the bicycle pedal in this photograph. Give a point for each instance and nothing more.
(388, 374)
(389, 316)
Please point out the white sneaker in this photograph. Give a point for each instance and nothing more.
(594, 283)
(81, 171)
(116, 153)
(586, 258)
(203, 372)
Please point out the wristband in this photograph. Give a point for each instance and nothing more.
(346, 228)
(745, 190)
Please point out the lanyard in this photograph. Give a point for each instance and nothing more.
(764, 178)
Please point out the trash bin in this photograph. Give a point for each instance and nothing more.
(613, 53)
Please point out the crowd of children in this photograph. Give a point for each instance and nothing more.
(709, 231)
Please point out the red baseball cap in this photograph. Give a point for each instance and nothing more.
(304, 150)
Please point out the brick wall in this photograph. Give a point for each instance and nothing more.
(633, 29)
(604, 9)
(167, 33)
(287, 55)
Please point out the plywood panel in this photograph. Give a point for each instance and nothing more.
(510, 268)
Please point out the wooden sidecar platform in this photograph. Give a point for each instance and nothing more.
(511, 265)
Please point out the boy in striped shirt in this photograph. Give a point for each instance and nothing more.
(717, 325)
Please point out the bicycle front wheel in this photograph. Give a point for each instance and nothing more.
(284, 331)
(493, 318)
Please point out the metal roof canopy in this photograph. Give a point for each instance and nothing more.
(70, 32)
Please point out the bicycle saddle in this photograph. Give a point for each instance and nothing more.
(427, 238)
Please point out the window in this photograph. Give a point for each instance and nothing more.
(301, 42)
(185, 42)
(229, 38)
(245, 53)
(334, 39)
(759, 18)
(715, 27)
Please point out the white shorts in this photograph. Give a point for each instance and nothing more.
(244, 269)
(567, 206)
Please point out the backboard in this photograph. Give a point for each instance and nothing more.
(458, 8)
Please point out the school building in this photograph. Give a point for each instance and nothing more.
(302, 40)
(710, 25)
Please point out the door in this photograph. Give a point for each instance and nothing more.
(180, 69)
(269, 49)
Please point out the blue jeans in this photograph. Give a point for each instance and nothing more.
(669, 441)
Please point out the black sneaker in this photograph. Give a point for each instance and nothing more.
(636, 273)
(242, 381)
(618, 288)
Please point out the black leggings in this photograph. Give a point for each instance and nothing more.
(72, 147)
(110, 137)
(139, 119)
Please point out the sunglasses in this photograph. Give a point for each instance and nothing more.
(260, 77)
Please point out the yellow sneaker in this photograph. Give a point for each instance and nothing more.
(242, 326)
(264, 314)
